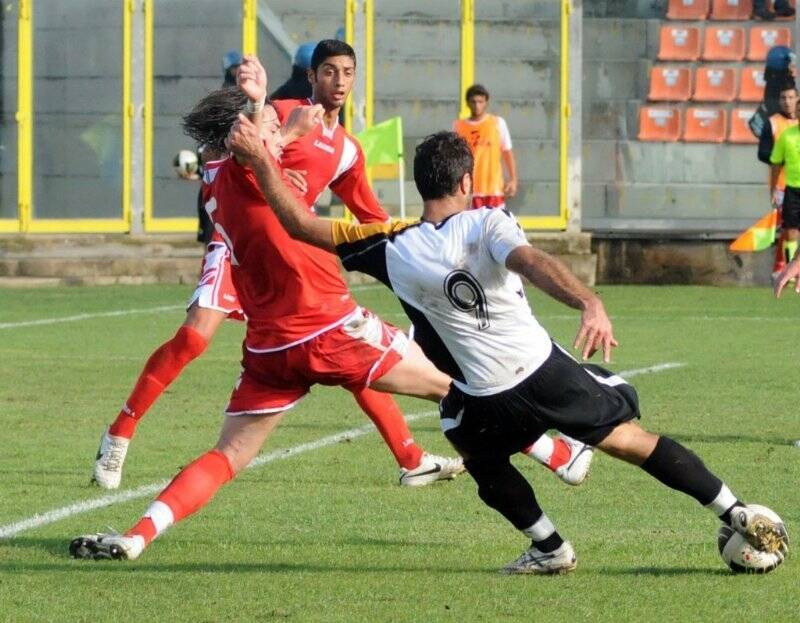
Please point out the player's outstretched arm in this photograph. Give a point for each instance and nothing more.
(551, 276)
(792, 271)
(245, 142)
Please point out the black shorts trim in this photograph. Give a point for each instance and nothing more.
(583, 401)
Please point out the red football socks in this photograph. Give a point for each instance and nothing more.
(188, 492)
(163, 367)
(388, 419)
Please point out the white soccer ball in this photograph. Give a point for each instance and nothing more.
(185, 163)
(742, 557)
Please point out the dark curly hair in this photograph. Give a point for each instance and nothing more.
(441, 160)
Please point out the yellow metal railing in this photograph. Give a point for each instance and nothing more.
(24, 116)
(349, 37)
(467, 52)
(249, 27)
(128, 10)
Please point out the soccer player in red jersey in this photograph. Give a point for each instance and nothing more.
(303, 328)
(327, 156)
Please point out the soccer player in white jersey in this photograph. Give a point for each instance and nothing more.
(457, 275)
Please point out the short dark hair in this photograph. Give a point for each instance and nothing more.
(787, 85)
(330, 47)
(440, 161)
(212, 117)
(476, 89)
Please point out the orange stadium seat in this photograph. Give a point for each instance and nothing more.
(714, 84)
(670, 84)
(688, 9)
(704, 125)
(722, 43)
(751, 84)
(762, 38)
(679, 43)
(731, 9)
(659, 124)
(740, 130)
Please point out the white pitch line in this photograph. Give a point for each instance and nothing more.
(11, 530)
(78, 317)
(125, 312)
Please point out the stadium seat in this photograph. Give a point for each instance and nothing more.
(704, 125)
(762, 38)
(723, 43)
(751, 84)
(670, 84)
(679, 43)
(731, 9)
(688, 9)
(740, 129)
(714, 84)
(659, 124)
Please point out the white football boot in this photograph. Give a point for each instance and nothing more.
(534, 562)
(759, 530)
(430, 469)
(106, 547)
(574, 471)
(109, 460)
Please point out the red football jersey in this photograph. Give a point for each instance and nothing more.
(331, 157)
(289, 291)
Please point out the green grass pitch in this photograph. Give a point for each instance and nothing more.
(327, 535)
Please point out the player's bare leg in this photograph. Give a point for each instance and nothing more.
(681, 469)
(161, 369)
(240, 441)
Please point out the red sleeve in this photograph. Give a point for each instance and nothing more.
(353, 188)
(284, 107)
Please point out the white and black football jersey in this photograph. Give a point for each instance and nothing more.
(470, 314)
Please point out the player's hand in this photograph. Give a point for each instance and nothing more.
(595, 332)
(776, 198)
(301, 121)
(251, 77)
(184, 175)
(298, 179)
(792, 271)
(244, 140)
(510, 188)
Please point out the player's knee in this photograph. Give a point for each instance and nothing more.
(629, 442)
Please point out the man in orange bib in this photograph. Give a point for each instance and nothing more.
(490, 142)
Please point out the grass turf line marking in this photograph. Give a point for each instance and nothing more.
(124, 312)
(78, 317)
(11, 530)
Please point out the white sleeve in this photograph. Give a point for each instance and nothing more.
(503, 234)
(505, 135)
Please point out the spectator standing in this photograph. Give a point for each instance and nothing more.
(490, 142)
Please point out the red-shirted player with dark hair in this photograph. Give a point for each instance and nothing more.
(327, 156)
(303, 327)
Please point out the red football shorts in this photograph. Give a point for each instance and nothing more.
(215, 289)
(488, 201)
(353, 354)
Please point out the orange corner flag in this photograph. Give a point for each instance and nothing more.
(760, 236)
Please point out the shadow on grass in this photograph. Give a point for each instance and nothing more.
(663, 571)
(732, 438)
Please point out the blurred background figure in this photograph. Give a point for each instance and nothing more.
(297, 86)
(490, 142)
(230, 63)
(782, 8)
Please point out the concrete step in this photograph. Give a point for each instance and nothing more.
(441, 9)
(672, 163)
(133, 260)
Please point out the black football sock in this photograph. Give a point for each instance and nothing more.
(503, 488)
(681, 469)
